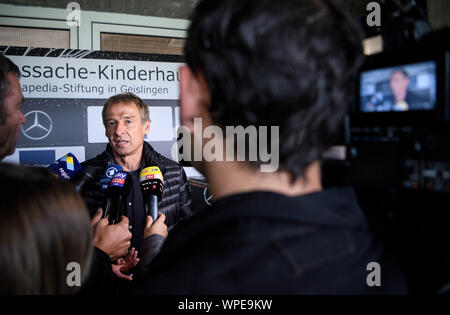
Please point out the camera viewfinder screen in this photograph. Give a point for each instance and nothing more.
(402, 88)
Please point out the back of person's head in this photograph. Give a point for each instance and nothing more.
(287, 63)
(44, 226)
(6, 66)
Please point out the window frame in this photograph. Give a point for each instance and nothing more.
(42, 24)
(87, 33)
(99, 28)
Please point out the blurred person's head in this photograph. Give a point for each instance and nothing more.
(127, 121)
(284, 63)
(11, 99)
(44, 226)
(399, 82)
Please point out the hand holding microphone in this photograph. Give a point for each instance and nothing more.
(114, 240)
(156, 227)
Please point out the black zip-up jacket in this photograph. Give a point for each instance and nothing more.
(266, 243)
(176, 200)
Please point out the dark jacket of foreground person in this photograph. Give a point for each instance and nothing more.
(267, 243)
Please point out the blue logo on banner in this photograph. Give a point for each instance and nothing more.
(37, 158)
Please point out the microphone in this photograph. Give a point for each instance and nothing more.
(87, 174)
(110, 171)
(152, 184)
(68, 168)
(65, 167)
(116, 196)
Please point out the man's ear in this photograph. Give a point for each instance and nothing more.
(147, 127)
(193, 96)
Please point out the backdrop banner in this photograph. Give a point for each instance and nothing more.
(65, 89)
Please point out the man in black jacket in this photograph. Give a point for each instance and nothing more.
(402, 98)
(289, 65)
(126, 119)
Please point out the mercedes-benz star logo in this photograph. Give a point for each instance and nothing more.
(38, 125)
(207, 196)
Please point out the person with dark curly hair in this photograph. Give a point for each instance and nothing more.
(289, 64)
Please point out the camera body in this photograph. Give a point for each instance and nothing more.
(398, 154)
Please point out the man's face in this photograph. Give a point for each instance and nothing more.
(125, 130)
(9, 132)
(399, 85)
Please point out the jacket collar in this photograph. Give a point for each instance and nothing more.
(149, 155)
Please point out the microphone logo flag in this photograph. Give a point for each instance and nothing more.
(151, 173)
(65, 167)
(111, 171)
(69, 161)
(118, 179)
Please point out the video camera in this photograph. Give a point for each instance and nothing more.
(402, 115)
(398, 154)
